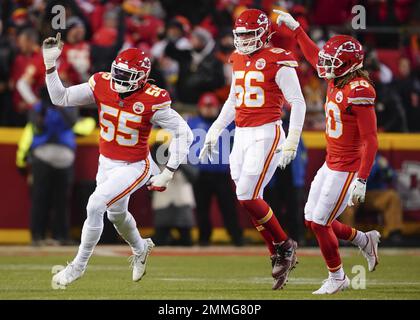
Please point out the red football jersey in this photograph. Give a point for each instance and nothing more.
(342, 132)
(258, 97)
(126, 123)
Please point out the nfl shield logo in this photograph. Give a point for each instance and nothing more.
(138, 107)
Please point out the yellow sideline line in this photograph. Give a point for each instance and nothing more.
(314, 140)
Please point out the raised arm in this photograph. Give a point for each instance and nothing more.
(60, 96)
(308, 47)
(78, 95)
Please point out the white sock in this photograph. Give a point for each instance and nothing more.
(360, 239)
(89, 239)
(339, 274)
(127, 228)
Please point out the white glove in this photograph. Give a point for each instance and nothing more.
(287, 19)
(288, 148)
(209, 147)
(357, 192)
(160, 182)
(51, 50)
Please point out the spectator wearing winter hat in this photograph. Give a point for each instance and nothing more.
(205, 73)
(214, 176)
(173, 52)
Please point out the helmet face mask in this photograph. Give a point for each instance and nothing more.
(129, 71)
(251, 31)
(248, 41)
(340, 55)
(327, 65)
(123, 79)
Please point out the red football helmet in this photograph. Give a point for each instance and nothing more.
(252, 31)
(340, 55)
(130, 70)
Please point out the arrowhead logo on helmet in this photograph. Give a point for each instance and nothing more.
(340, 55)
(130, 70)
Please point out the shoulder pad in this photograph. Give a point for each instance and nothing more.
(361, 92)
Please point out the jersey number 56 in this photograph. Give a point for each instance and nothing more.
(247, 94)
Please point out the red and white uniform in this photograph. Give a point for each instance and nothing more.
(261, 82)
(351, 141)
(125, 163)
(126, 124)
(258, 98)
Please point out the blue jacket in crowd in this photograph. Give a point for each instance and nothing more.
(55, 128)
(200, 126)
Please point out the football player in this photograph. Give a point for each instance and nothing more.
(351, 136)
(263, 78)
(128, 107)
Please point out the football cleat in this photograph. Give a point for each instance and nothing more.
(138, 262)
(68, 275)
(332, 285)
(370, 251)
(283, 262)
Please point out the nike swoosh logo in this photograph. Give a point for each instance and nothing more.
(163, 94)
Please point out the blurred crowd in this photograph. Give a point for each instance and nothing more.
(190, 42)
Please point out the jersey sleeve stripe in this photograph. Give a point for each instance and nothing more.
(361, 100)
(92, 82)
(161, 106)
(290, 63)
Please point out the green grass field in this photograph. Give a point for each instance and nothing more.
(200, 274)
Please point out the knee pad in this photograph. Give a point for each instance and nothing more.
(243, 193)
(96, 204)
(95, 210)
(308, 212)
(115, 217)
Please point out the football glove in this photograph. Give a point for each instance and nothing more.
(160, 182)
(51, 50)
(209, 147)
(357, 192)
(288, 148)
(287, 19)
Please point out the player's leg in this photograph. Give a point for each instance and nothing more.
(125, 225)
(236, 162)
(91, 232)
(114, 182)
(331, 198)
(260, 163)
(366, 241)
